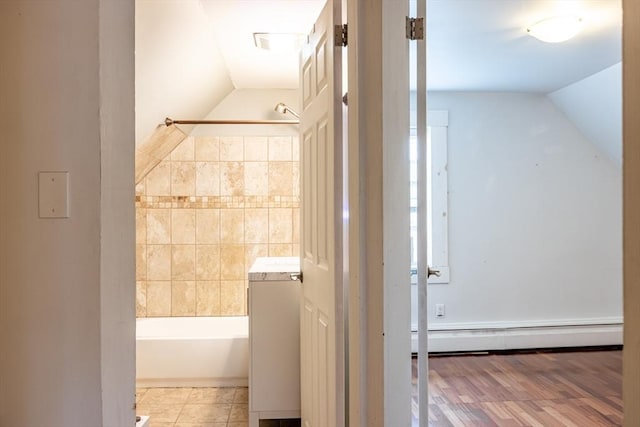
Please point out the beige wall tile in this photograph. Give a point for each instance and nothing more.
(208, 298)
(295, 149)
(158, 226)
(296, 226)
(280, 178)
(207, 226)
(232, 262)
(141, 225)
(183, 179)
(159, 262)
(207, 262)
(183, 298)
(207, 148)
(141, 188)
(256, 148)
(232, 298)
(141, 262)
(280, 225)
(295, 249)
(141, 299)
(207, 178)
(280, 249)
(280, 148)
(183, 262)
(231, 178)
(158, 181)
(158, 298)
(256, 179)
(190, 250)
(253, 251)
(231, 226)
(183, 226)
(256, 229)
(295, 177)
(231, 148)
(185, 151)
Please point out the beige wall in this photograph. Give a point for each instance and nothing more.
(205, 213)
(67, 285)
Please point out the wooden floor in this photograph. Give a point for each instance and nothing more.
(580, 389)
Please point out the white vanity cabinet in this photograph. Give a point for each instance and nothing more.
(274, 339)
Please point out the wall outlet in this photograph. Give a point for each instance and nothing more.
(439, 310)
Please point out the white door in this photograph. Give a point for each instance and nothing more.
(321, 209)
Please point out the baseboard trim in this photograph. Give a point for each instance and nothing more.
(191, 382)
(521, 337)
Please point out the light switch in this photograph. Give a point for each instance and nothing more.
(53, 194)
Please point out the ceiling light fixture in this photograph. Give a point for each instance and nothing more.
(557, 29)
(279, 42)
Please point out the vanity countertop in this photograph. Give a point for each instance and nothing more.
(274, 268)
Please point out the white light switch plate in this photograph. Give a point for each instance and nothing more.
(53, 194)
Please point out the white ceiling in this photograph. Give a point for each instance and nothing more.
(235, 21)
(191, 53)
(478, 45)
(482, 45)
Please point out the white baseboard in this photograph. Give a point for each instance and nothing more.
(191, 382)
(522, 335)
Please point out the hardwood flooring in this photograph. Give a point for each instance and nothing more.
(577, 389)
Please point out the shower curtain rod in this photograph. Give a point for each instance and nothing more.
(168, 122)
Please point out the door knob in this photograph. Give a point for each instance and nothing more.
(431, 272)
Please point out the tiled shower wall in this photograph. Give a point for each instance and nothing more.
(205, 213)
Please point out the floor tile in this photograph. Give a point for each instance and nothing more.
(242, 395)
(211, 395)
(172, 396)
(201, 425)
(161, 413)
(157, 424)
(239, 412)
(140, 392)
(205, 413)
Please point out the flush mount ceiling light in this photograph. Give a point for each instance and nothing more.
(279, 42)
(557, 29)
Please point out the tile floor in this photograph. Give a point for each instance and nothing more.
(194, 407)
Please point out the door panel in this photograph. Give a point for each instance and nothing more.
(320, 129)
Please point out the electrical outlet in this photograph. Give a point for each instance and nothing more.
(439, 310)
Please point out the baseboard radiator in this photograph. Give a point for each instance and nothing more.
(521, 335)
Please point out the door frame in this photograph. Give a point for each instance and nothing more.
(379, 324)
(631, 210)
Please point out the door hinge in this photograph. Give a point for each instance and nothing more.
(415, 28)
(341, 35)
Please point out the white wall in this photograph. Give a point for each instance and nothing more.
(534, 217)
(52, 318)
(594, 105)
(252, 104)
(180, 73)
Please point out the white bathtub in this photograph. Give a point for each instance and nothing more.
(192, 351)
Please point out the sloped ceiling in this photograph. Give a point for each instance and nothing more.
(594, 105)
(235, 21)
(180, 71)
